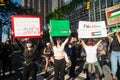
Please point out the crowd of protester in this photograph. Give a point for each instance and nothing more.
(98, 52)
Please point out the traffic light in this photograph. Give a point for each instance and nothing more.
(88, 5)
(2, 2)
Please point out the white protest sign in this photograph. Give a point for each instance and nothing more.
(26, 26)
(91, 29)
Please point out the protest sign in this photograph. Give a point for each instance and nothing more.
(60, 28)
(26, 26)
(113, 15)
(114, 29)
(91, 29)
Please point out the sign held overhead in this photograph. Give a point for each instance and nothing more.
(113, 15)
(26, 26)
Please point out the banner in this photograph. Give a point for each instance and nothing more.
(26, 26)
(113, 14)
(91, 29)
(60, 28)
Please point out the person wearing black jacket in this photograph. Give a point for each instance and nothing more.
(29, 50)
(115, 53)
(1, 50)
(6, 56)
(72, 54)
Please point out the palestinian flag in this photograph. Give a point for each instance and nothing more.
(98, 33)
(113, 14)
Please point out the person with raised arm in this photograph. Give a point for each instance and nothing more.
(59, 57)
(29, 52)
(91, 64)
(115, 52)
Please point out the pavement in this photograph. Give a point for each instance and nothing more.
(44, 76)
(17, 63)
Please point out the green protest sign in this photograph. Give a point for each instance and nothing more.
(113, 29)
(60, 28)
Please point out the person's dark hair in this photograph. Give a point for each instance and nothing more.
(29, 41)
(8, 40)
(114, 35)
(90, 42)
(58, 40)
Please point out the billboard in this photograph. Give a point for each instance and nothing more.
(113, 15)
(26, 26)
(60, 28)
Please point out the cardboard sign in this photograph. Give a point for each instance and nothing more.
(60, 28)
(113, 15)
(91, 29)
(26, 26)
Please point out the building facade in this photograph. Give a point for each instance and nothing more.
(44, 7)
(95, 13)
(58, 4)
(47, 9)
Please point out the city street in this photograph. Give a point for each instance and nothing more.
(17, 63)
(32, 33)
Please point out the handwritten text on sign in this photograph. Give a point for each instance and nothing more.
(26, 26)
